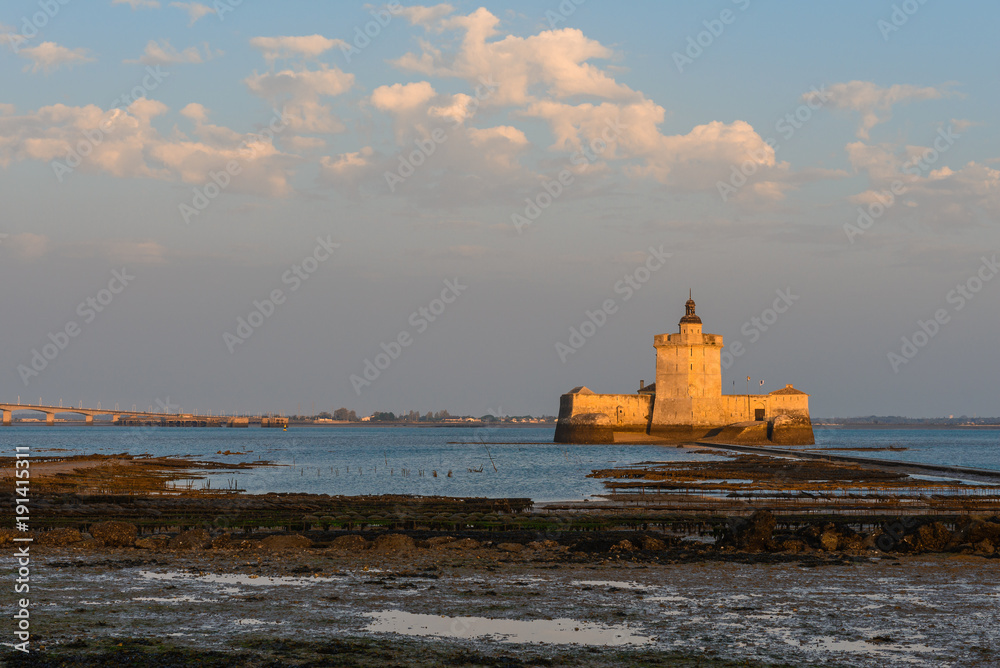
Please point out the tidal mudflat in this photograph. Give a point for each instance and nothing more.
(476, 604)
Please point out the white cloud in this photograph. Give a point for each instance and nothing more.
(11, 37)
(961, 124)
(138, 4)
(303, 144)
(932, 191)
(551, 63)
(196, 112)
(49, 56)
(164, 53)
(696, 160)
(195, 10)
(131, 147)
(306, 46)
(399, 98)
(429, 17)
(873, 102)
(300, 91)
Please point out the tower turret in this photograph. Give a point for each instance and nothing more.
(689, 314)
(688, 371)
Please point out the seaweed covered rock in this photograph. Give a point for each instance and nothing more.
(462, 544)
(754, 534)
(153, 543)
(114, 534)
(193, 539)
(285, 543)
(393, 542)
(349, 543)
(977, 530)
(933, 537)
(59, 537)
(652, 544)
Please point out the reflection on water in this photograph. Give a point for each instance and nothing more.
(554, 631)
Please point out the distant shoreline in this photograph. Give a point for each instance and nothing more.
(449, 425)
(902, 425)
(507, 425)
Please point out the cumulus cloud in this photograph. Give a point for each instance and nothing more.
(429, 17)
(300, 92)
(402, 97)
(465, 163)
(931, 190)
(552, 63)
(196, 112)
(130, 147)
(164, 53)
(873, 102)
(596, 134)
(49, 56)
(138, 4)
(195, 10)
(306, 46)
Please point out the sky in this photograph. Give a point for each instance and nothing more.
(249, 206)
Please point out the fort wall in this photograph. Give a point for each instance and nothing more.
(686, 402)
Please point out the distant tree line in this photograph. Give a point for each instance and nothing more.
(899, 419)
(345, 415)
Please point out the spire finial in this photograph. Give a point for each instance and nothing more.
(689, 310)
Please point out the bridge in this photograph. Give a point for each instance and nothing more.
(139, 418)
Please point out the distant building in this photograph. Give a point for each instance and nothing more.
(686, 401)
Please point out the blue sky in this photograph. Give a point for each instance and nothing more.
(591, 93)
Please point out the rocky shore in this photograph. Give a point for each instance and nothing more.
(758, 533)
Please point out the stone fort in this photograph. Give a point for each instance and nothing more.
(686, 402)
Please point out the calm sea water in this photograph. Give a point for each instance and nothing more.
(367, 460)
(372, 460)
(976, 448)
